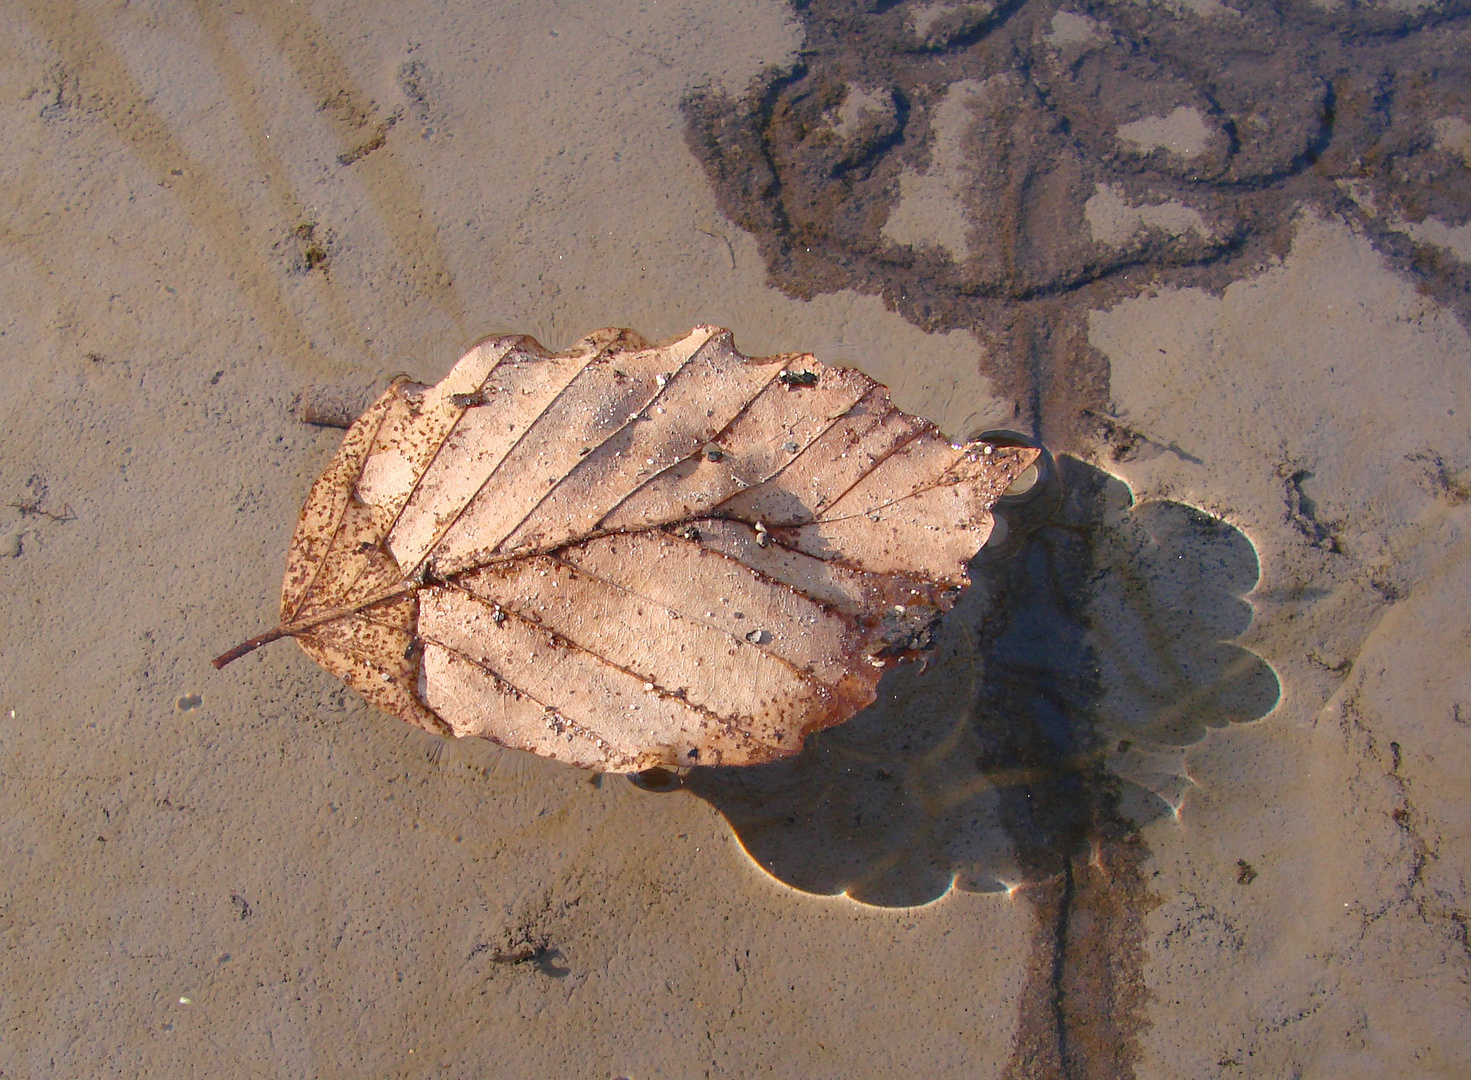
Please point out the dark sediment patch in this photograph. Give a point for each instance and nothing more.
(1283, 105)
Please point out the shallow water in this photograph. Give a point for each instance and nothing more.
(1092, 647)
(1181, 790)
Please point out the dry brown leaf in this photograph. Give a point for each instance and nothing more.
(629, 556)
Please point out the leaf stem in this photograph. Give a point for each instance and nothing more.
(293, 628)
(250, 646)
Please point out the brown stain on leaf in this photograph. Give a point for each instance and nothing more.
(571, 554)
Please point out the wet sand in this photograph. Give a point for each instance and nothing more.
(251, 873)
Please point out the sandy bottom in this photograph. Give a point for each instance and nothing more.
(251, 873)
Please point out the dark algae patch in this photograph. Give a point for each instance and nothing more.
(1005, 167)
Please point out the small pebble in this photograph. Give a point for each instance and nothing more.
(10, 546)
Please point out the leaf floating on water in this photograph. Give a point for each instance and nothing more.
(629, 556)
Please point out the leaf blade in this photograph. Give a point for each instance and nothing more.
(630, 554)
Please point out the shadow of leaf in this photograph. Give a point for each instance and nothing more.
(1093, 646)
